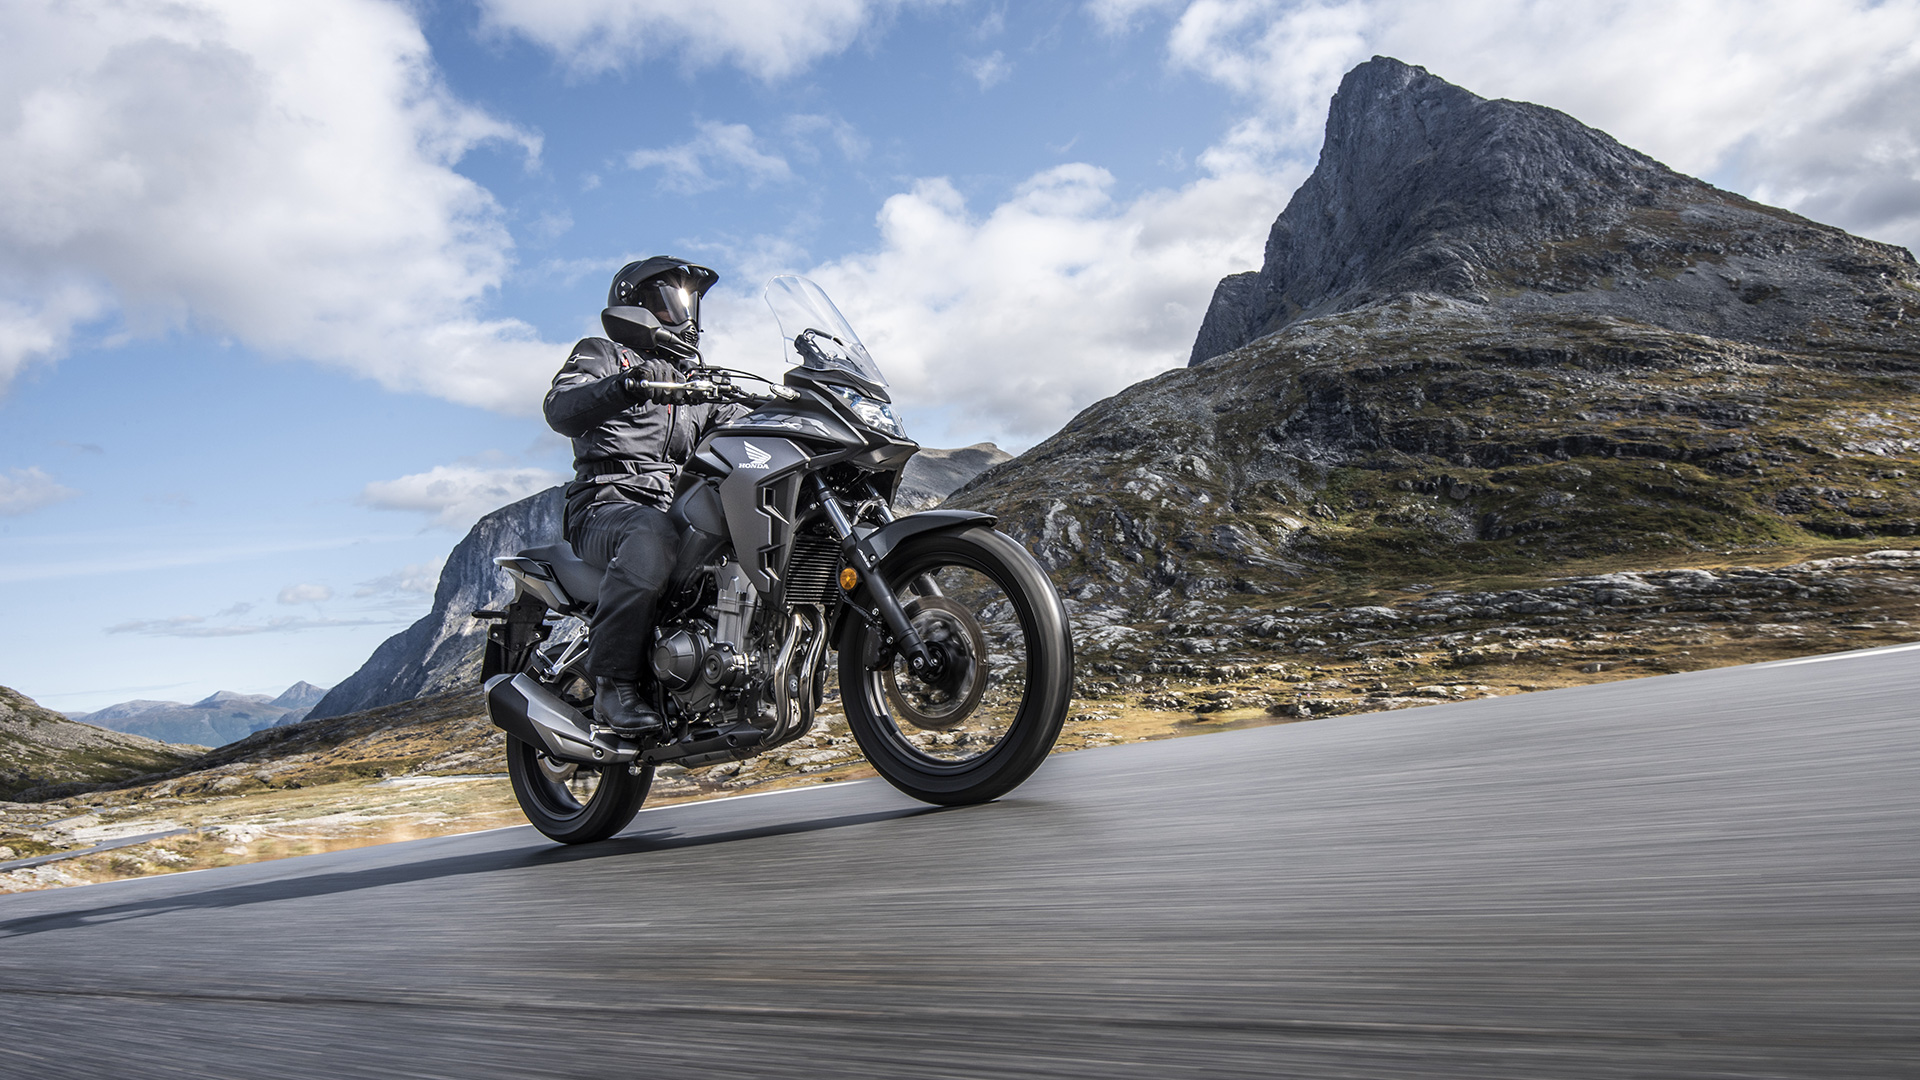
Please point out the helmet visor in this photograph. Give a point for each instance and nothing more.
(670, 301)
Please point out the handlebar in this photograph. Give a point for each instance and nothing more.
(707, 390)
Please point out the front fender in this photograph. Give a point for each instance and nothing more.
(881, 541)
(878, 543)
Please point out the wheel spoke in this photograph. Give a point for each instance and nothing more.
(970, 706)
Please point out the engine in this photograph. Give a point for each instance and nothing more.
(714, 668)
(703, 664)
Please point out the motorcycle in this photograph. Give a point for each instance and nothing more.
(953, 653)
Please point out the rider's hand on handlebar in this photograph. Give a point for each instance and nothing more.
(657, 381)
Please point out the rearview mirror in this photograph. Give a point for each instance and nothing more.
(630, 326)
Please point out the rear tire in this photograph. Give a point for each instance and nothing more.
(980, 737)
(574, 804)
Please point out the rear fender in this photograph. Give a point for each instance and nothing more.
(534, 578)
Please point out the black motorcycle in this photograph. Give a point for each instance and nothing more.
(954, 657)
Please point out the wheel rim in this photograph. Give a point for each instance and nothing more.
(963, 714)
(941, 700)
(564, 789)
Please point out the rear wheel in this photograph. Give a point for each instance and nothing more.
(987, 715)
(574, 804)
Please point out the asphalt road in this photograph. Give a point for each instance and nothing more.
(1714, 874)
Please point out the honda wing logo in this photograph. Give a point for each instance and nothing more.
(756, 457)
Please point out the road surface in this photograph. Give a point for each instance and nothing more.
(1714, 874)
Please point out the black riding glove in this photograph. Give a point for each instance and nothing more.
(657, 371)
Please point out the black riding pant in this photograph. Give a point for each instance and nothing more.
(634, 545)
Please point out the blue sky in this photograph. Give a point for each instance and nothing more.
(280, 285)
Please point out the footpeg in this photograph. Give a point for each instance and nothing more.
(725, 744)
(626, 740)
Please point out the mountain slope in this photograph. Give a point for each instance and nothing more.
(440, 651)
(39, 747)
(1487, 336)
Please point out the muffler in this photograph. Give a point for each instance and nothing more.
(533, 714)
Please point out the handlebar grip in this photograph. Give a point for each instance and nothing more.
(706, 391)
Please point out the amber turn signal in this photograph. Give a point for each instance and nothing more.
(849, 578)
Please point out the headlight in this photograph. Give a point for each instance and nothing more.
(877, 415)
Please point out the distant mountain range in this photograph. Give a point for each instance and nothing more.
(932, 475)
(215, 720)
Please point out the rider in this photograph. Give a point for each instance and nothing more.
(629, 442)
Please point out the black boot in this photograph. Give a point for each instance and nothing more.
(620, 705)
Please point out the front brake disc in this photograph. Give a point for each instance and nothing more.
(944, 701)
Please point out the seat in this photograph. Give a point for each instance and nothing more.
(581, 581)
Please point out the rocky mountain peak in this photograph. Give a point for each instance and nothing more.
(226, 699)
(217, 719)
(300, 695)
(1426, 189)
(1487, 336)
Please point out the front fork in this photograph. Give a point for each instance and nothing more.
(920, 659)
(925, 582)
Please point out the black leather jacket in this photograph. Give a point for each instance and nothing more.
(622, 452)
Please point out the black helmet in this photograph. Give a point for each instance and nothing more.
(668, 288)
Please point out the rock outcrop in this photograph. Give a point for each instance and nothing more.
(1489, 337)
(1425, 189)
(441, 651)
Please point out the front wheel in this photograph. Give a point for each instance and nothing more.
(985, 717)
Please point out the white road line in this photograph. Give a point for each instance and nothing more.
(1855, 655)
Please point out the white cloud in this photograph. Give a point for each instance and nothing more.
(122, 557)
(198, 626)
(281, 174)
(1811, 106)
(29, 489)
(716, 153)
(1002, 324)
(1116, 16)
(769, 39)
(990, 70)
(457, 495)
(804, 129)
(305, 594)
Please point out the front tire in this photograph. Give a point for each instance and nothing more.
(981, 728)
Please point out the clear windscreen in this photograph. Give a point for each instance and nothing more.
(802, 308)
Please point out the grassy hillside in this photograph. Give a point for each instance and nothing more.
(42, 752)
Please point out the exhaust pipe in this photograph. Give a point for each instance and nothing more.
(533, 714)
